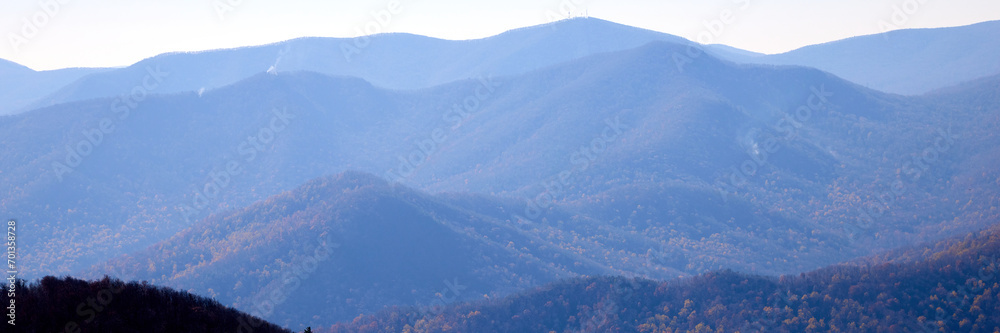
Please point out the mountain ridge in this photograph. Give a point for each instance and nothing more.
(358, 240)
(433, 61)
(907, 61)
(952, 289)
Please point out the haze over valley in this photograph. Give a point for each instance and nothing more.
(576, 176)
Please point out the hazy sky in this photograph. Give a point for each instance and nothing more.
(101, 33)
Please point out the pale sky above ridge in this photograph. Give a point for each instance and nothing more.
(51, 34)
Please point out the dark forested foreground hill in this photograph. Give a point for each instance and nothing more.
(954, 290)
(70, 305)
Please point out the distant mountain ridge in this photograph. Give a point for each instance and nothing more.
(909, 61)
(905, 61)
(21, 87)
(394, 61)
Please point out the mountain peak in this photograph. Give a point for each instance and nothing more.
(590, 28)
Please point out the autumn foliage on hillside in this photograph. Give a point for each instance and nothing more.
(952, 290)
